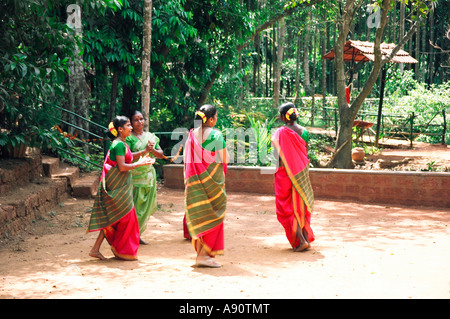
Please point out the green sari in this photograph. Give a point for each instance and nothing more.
(144, 181)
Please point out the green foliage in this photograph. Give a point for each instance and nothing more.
(262, 131)
(399, 83)
(33, 64)
(193, 43)
(422, 100)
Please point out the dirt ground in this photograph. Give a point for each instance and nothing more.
(361, 251)
(396, 154)
(422, 157)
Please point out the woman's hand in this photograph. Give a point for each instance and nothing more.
(145, 160)
(157, 152)
(149, 147)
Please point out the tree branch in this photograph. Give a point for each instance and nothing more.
(402, 42)
(218, 69)
(378, 61)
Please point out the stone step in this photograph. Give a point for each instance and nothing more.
(86, 185)
(71, 173)
(50, 165)
(29, 191)
(83, 185)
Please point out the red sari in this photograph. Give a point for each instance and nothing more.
(293, 192)
(114, 212)
(205, 197)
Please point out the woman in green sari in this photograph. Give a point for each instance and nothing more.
(144, 177)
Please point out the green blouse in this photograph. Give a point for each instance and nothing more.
(214, 142)
(305, 135)
(117, 148)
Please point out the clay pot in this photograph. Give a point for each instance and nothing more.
(358, 154)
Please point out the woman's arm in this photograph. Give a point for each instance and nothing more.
(158, 153)
(124, 167)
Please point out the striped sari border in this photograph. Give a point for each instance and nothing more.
(205, 200)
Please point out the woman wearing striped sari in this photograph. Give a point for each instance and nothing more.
(293, 192)
(113, 213)
(205, 161)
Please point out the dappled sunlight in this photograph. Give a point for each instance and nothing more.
(363, 242)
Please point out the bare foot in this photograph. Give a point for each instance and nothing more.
(97, 255)
(304, 243)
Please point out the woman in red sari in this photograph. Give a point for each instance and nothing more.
(205, 168)
(293, 192)
(113, 213)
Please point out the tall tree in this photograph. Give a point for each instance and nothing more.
(306, 77)
(146, 61)
(223, 59)
(324, 63)
(278, 61)
(347, 113)
(78, 89)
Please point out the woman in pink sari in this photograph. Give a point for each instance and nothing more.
(205, 161)
(113, 213)
(293, 192)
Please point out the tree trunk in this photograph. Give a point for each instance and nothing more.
(146, 61)
(417, 55)
(78, 87)
(266, 45)
(256, 65)
(431, 59)
(288, 11)
(402, 27)
(297, 71)
(347, 113)
(278, 62)
(324, 68)
(241, 86)
(113, 98)
(425, 56)
(306, 80)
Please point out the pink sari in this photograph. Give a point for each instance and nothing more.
(205, 197)
(293, 192)
(114, 212)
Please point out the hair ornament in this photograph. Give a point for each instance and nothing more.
(202, 115)
(112, 129)
(290, 111)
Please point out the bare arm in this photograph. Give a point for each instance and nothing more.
(124, 167)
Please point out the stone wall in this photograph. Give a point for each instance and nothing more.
(18, 172)
(430, 189)
(25, 194)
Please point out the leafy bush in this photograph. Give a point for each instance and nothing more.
(33, 66)
(427, 105)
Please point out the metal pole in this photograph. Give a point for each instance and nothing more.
(411, 137)
(380, 105)
(445, 127)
